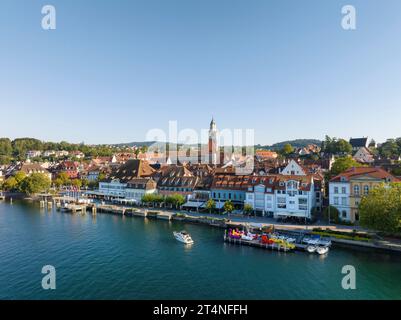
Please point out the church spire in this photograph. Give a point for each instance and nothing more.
(212, 124)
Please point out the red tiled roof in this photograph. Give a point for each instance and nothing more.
(377, 173)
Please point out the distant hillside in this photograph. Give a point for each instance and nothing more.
(137, 144)
(298, 143)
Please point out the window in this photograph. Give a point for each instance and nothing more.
(336, 201)
(335, 190)
(366, 189)
(356, 190)
(302, 204)
(281, 203)
(343, 201)
(343, 190)
(344, 213)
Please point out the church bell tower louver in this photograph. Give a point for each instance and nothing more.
(213, 145)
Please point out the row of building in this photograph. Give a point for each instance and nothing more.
(276, 187)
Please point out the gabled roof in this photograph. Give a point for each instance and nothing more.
(32, 167)
(132, 169)
(354, 173)
(358, 142)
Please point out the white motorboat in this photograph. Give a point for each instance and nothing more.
(325, 242)
(311, 242)
(311, 249)
(248, 236)
(183, 236)
(322, 250)
(291, 240)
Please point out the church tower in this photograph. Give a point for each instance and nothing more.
(213, 146)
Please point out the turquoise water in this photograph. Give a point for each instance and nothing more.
(112, 257)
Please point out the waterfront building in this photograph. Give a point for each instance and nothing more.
(114, 186)
(201, 193)
(283, 195)
(138, 187)
(176, 179)
(295, 192)
(347, 189)
(92, 173)
(227, 185)
(30, 168)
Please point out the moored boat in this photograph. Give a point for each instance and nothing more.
(311, 249)
(322, 250)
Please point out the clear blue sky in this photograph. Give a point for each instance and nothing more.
(112, 70)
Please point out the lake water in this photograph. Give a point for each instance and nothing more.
(114, 257)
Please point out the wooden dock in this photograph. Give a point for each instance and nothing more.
(139, 213)
(71, 207)
(164, 215)
(255, 243)
(111, 209)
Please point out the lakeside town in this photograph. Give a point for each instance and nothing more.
(354, 182)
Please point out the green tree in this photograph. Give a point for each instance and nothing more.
(10, 184)
(391, 148)
(85, 183)
(381, 208)
(22, 145)
(152, 198)
(177, 200)
(228, 206)
(63, 179)
(336, 146)
(332, 213)
(248, 209)
(6, 148)
(35, 183)
(287, 149)
(76, 183)
(343, 163)
(210, 205)
(19, 176)
(101, 177)
(343, 147)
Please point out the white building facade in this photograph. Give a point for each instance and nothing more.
(339, 197)
(283, 198)
(132, 190)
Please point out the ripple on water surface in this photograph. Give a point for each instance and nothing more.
(134, 258)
